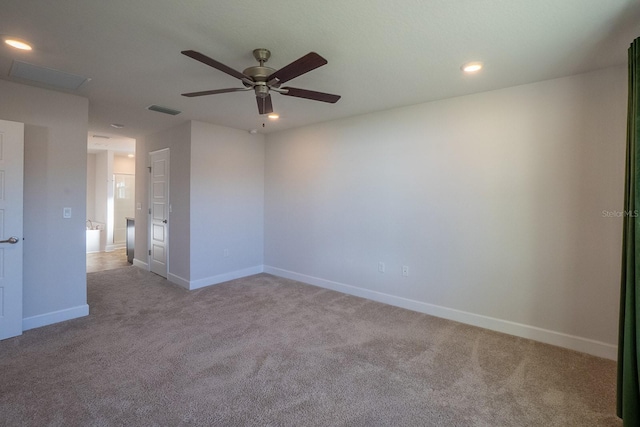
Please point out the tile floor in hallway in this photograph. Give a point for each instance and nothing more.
(101, 261)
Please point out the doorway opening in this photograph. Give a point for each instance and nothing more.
(110, 200)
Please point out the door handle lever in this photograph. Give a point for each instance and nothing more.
(12, 240)
(164, 221)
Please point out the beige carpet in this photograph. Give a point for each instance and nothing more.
(269, 351)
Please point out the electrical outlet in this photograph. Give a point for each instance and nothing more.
(405, 270)
(226, 253)
(381, 267)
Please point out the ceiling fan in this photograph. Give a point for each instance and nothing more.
(262, 80)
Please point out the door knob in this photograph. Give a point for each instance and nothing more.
(164, 221)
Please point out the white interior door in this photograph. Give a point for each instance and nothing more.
(159, 212)
(11, 180)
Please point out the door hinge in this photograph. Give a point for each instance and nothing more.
(149, 211)
(149, 251)
(149, 167)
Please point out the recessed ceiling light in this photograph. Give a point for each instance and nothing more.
(131, 156)
(18, 44)
(471, 67)
(117, 125)
(273, 116)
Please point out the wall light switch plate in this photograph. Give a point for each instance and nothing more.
(66, 213)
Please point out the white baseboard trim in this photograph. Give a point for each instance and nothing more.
(214, 280)
(140, 264)
(178, 280)
(54, 317)
(113, 247)
(572, 342)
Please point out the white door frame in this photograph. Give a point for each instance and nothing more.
(158, 221)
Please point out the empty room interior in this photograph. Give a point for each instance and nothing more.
(334, 213)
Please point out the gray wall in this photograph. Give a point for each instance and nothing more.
(178, 140)
(217, 199)
(227, 201)
(54, 286)
(495, 202)
(141, 248)
(102, 194)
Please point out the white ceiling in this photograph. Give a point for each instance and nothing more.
(382, 54)
(120, 145)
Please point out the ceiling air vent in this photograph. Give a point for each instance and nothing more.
(46, 76)
(165, 110)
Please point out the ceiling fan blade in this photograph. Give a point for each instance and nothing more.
(213, 92)
(213, 63)
(264, 105)
(310, 94)
(309, 62)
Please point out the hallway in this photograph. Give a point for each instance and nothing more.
(101, 261)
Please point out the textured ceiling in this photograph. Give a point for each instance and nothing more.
(382, 54)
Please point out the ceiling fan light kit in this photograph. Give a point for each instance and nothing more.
(263, 80)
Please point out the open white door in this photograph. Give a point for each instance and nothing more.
(11, 181)
(159, 212)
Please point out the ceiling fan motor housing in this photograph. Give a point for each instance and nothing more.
(262, 90)
(258, 73)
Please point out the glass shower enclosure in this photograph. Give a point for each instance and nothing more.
(123, 205)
